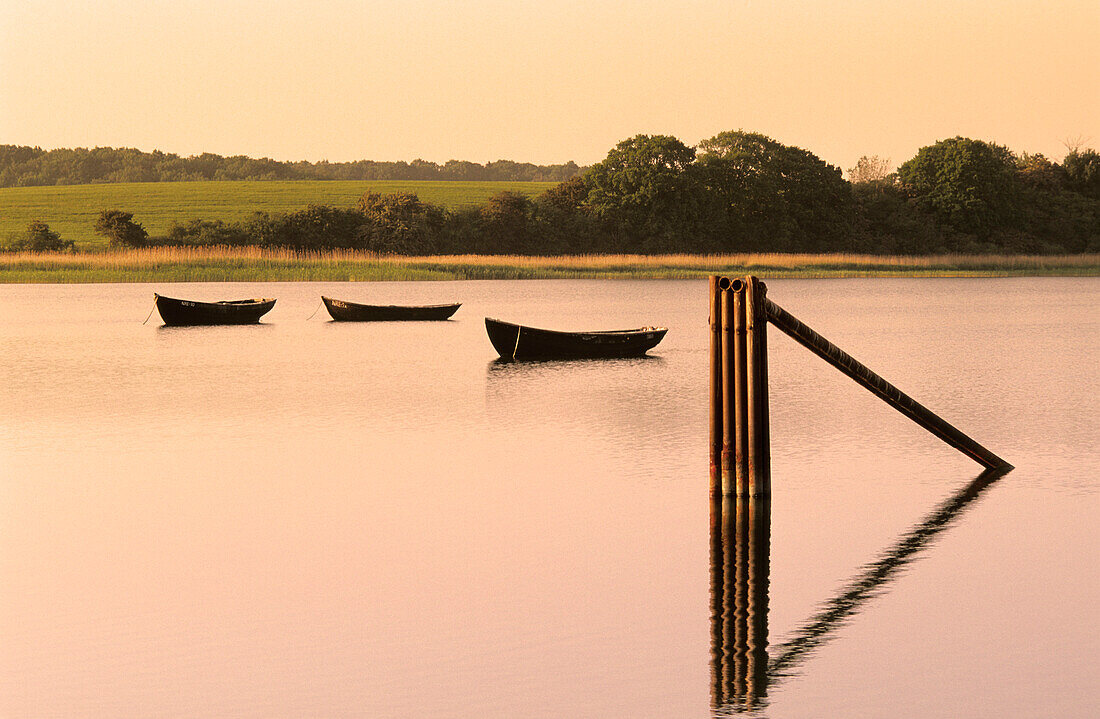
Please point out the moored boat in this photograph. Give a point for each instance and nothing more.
(514, 341)
(177, 312)
(343, 311)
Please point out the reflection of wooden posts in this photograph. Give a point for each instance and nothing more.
(741, 669)
(733, 633)
(717, 604)
(739, 381)
(737, 600)
(758, 576)
(740, 547)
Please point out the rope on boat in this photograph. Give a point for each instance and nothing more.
(516, 348)
(151, 311)
(315, 311)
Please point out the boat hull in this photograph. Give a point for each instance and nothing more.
(182, 313)
(519, 342)
(343, 311)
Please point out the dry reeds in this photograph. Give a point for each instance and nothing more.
(181, 264)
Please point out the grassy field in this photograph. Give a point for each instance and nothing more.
(253, 265)
(71, 209)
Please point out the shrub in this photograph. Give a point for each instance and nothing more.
(316, 227)
(208, 232)
(38, 237)
(120, 229)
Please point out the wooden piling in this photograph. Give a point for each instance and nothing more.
(756, 396)
(739, 373)
(730, 422)
(740, 458)
(764, 420)
(882, 389)
(715, 386)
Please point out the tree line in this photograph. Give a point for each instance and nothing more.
(735, 192)
(22, 166)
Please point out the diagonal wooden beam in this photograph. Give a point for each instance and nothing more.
(882, 389)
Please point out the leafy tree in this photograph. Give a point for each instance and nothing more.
(1052, 220)
(506, 223)
(869, 169)
(1037, 172)
(569, 195)
(463, 170)
(775, 197)
(646, 195)
(887, 222)
(966, 184)
(120, 229)
(38, 237)
(462, 232)
(563, 223)
(1083, 172)
(399, 223)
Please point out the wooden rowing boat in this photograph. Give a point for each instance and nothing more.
(343, 311)
(229, 312)
(514, 341)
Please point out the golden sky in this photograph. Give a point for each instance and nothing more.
(546, 81)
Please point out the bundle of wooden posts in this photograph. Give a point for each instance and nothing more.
(740, 457)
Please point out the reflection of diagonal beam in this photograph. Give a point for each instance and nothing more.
(816, 632)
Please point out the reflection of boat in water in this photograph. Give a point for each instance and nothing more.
(515, 342)
(505, 367)
(742, 668)
(227, 312)
(613, 400)
(343, 311)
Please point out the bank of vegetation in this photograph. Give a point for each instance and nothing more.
(254, 264)
(737, 192)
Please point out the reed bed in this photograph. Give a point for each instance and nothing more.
(214, 264)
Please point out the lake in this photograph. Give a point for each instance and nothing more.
(315, 519)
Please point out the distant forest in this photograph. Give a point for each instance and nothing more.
(735, 192)
(22, 166)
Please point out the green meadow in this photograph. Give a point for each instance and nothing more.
(71, 210)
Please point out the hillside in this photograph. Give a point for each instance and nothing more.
(72, 209)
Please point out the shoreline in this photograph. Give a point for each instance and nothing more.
(254, 264)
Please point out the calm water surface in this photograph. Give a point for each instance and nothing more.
(312, 519)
